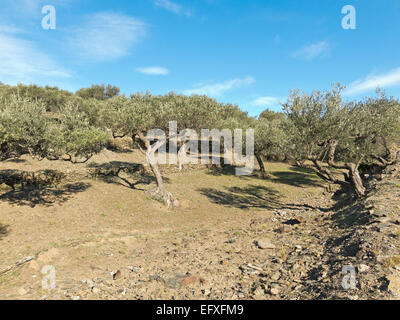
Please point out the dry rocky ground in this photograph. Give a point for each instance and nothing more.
(283, 237)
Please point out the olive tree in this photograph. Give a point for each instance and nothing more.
(73, 137)
(269, 136)
(269, 140)
(140, 113)
(333, 134)
(27, 128)
(23, 128)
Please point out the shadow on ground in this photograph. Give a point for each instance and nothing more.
(298, 177)
(347, 211)
(47, 196)
(16, 160)
(257, 196)
(253, 196)
(350, 215)
(221, 170)
(118, 149)
(125, 174)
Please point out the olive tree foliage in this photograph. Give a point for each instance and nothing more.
(331, 134)
(51, 97)
(271, 115)
(75, 138)
(98, 92)
(377, 128)
(27, 128)
(270, 139)
(23, 128)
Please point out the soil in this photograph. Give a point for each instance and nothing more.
(231, 237)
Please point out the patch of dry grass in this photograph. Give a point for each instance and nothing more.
(391, 262)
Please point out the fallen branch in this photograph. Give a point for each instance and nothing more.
(18, 264)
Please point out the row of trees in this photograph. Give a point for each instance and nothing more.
(25, 129)
(318, 131)
(331, 134)
(321, 132)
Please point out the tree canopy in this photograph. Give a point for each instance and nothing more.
(98, 92)
(318, 130)
(27, 128)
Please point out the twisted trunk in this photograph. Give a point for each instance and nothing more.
(261, 164)
(356, 179)
(325, 173)
(159, 193)
(352, 168)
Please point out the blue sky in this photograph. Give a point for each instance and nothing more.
(246, 52)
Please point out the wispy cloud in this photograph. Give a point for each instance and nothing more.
(22, 61)
(371, 82)
(154, 71)
(172, 7)
(219, 89)
(312, 51)
(107, 36)
(267, 101)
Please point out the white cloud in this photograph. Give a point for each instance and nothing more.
(168, 5)
(267, 101)
(22, 61)
(154, 71)
(312, 51)
(172, 7)
(218, 89)
(107, 36)
(390, 79)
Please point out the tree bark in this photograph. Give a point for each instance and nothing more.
(261, 164)
(324, 171)
(160, 193)
(356, 179)
(351, 167)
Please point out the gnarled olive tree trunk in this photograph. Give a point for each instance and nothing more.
(352, 175)
(159, 193)
(260, 164)
(352, 168)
